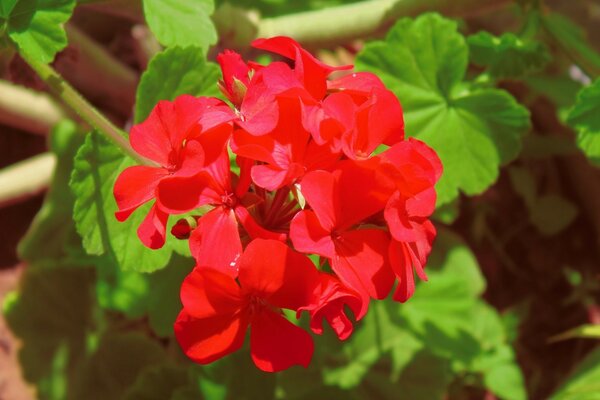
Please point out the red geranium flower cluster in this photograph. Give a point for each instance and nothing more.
(310, 181)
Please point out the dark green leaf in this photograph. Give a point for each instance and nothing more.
(163, 303)
(116, 364)
(378, 334)
(173, 72)
(51, 314)
(507, 56)
(423, 61)
(158, 382)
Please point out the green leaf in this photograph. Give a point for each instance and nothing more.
(584, 382)
(97, 165)
(36, 26)
(118, 290)
(452, 291)
(426, 377)
(115, 365)
(448, 316)
(157, 382)
(181, 22)
(50, 235)
(507, 56)
(173, 72)
(584, 117)
(51, 314)
(378, 334)
(164, 303)
(474, 130)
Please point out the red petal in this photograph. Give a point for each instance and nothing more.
(319, 188)
(216, 243)
(161, 135)
(152, 229)
(310, 71)
(207, 340)
(358, 83)
(277, 344)
(206, 292)
(308, 236)
(271, 270)
(272, 177)
(330, 304)
(177, 195)
(254, 230)
(362, 262)
(134, 187)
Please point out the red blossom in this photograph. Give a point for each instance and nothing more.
(217, 310)
(321, 161)
(168, 137)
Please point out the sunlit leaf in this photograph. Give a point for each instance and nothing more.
(474, 130)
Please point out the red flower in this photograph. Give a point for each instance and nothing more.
(309, 70)
(287, 152)
(328, 302)
(217, 311)
(341, 200)
(411, 168)
(235, 76)
(168, 137)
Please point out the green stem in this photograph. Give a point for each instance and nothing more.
(84, 109)
(341, 24)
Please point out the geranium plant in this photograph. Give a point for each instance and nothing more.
(327, 199)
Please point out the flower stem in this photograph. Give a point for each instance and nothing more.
(83, 108)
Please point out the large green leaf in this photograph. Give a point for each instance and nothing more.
(115, 365)
(584, 382)
(181, 22)
(158, 382)
(377, 335)
(448, 316)
(52, 314)
(585, 118)
(164, 303)
(173, 72)
(474, 130)
(507, 56)
(426, 377)
(50, 235)
(97, 165)
(36, 26)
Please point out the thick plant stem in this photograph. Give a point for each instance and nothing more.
(28, 110)
(84, 109)
(26, 178)
(338, 25)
